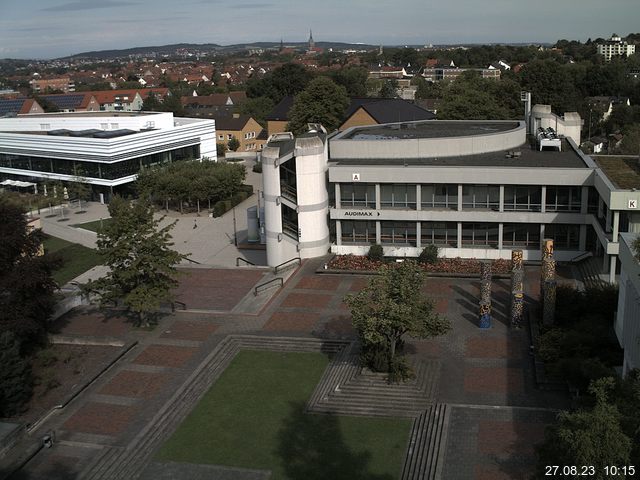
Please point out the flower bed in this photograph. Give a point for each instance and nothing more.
(443, 265)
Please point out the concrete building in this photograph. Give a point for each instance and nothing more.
(476, 189)
(107, 149)
(614, 47)
(242, 127)
(64, 84)
(627, 324)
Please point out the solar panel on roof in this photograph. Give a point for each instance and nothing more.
(84, 133)
(114, 133)
(8, 107)
(65, 102)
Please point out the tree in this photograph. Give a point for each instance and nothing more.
(630, 144)
(289, 79)
(389, 89)
(26, 285)
(257, 108)
(16, 383)
(233, 144)
(80, 189)
(393, 305)
(587, 437)
(321, 102)
(142, 265)
(354, 79)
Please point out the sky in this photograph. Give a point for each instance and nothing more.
(55, 28)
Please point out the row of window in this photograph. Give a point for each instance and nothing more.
(445, 234)
(107, 171)
(483, 197)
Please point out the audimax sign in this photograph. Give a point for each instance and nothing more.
(360, 213)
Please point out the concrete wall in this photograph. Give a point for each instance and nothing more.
(429, 147)
(627, 322)
(359, 118)
(85, 121)
(570, 125)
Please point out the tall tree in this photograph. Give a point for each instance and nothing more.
(321, 102)
(389, 89)
(587, 437)
(142, 265)
(354, 79)
(392, 305)
(16, 383)
(289, 79)
(26, 285)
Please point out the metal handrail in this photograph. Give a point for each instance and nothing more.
(239, 259)
(283, 264)
(582, 256)
(268, 285)
(192, 261)
(176, 302)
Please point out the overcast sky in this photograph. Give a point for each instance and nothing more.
(54, 28)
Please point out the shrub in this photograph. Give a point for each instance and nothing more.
(257, 167)
(238, 198)
(429, 255)
(219, 208)
(376, 253)
(399, 370)
(247, 188)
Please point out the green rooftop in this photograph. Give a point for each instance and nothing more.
(624, 172)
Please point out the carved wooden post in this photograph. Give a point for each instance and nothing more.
(485, 294)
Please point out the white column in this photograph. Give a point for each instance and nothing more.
(501, 209)
(378, 233)
(500, 231)
(418, 197)
(337, 190)
(459, 234)
(460, 197)
(612, 269)
(584, 200)
(338, 232)
(543, 199)
(418, 235)
(378, 201)
(616, 225)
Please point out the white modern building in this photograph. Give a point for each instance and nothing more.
(627, 324)
(475, 189)
(615, 46)
(108, 149)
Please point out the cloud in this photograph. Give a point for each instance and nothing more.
(72, 6)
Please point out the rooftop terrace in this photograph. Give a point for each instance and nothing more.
(429, 129)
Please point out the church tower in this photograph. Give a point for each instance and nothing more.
(312, 44)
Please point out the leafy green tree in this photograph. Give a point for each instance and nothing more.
(142, 265)
(354, 79)
(26, 285)
(233, 144)
(389, 89)
(151, 103)
(630, 144)
(321, 102)
(80, 189)
(16, 383)
(587, 437)
(393, 305)
(550, 83)
(289, 79)
(257, 108)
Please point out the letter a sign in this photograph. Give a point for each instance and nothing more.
(355, 177)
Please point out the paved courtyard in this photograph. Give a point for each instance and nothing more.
(485, 377)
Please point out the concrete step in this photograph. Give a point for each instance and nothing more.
(426, 445)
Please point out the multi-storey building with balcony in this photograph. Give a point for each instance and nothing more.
(476, 189)
(615, 47)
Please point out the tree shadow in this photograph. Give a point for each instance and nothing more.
(312, 448)
(55, 471)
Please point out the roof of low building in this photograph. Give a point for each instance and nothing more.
(389, 110)
(624, 172)
(15, 106)
(236, 123)
(281, 110)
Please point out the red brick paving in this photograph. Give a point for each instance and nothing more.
(437, 287)
(494, 472)
(509, 438)
(493, 347)
(100, 419)
(190, 330)
(358, 284)
(339, 325)
(215, 289)
(128, 383)
(493, 380)
(292, 322)
(319, 282)
(165, 355)
(94, 323)
(442, 305)
(306, 300)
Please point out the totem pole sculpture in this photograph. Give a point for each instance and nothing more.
(548, 283)
(517, 288)
(485, 295)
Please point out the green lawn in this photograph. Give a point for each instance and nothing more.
(95, 225)
(253, 417)
(76, 259)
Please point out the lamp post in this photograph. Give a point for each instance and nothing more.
(235, 232)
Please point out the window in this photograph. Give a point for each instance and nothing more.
(480, 235)
(115, 126)
(45, 126)
(563, 199)
(220, 137)
(398, 233)
(398, 196)
(357, 195)
(439, 196)
(565, 237)
(525, 235)
(444, 234)
(485, 197)
(229, 136)
(358, 232)
(522, 198)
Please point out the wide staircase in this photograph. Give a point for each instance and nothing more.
(347, 389)
(590, 270)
